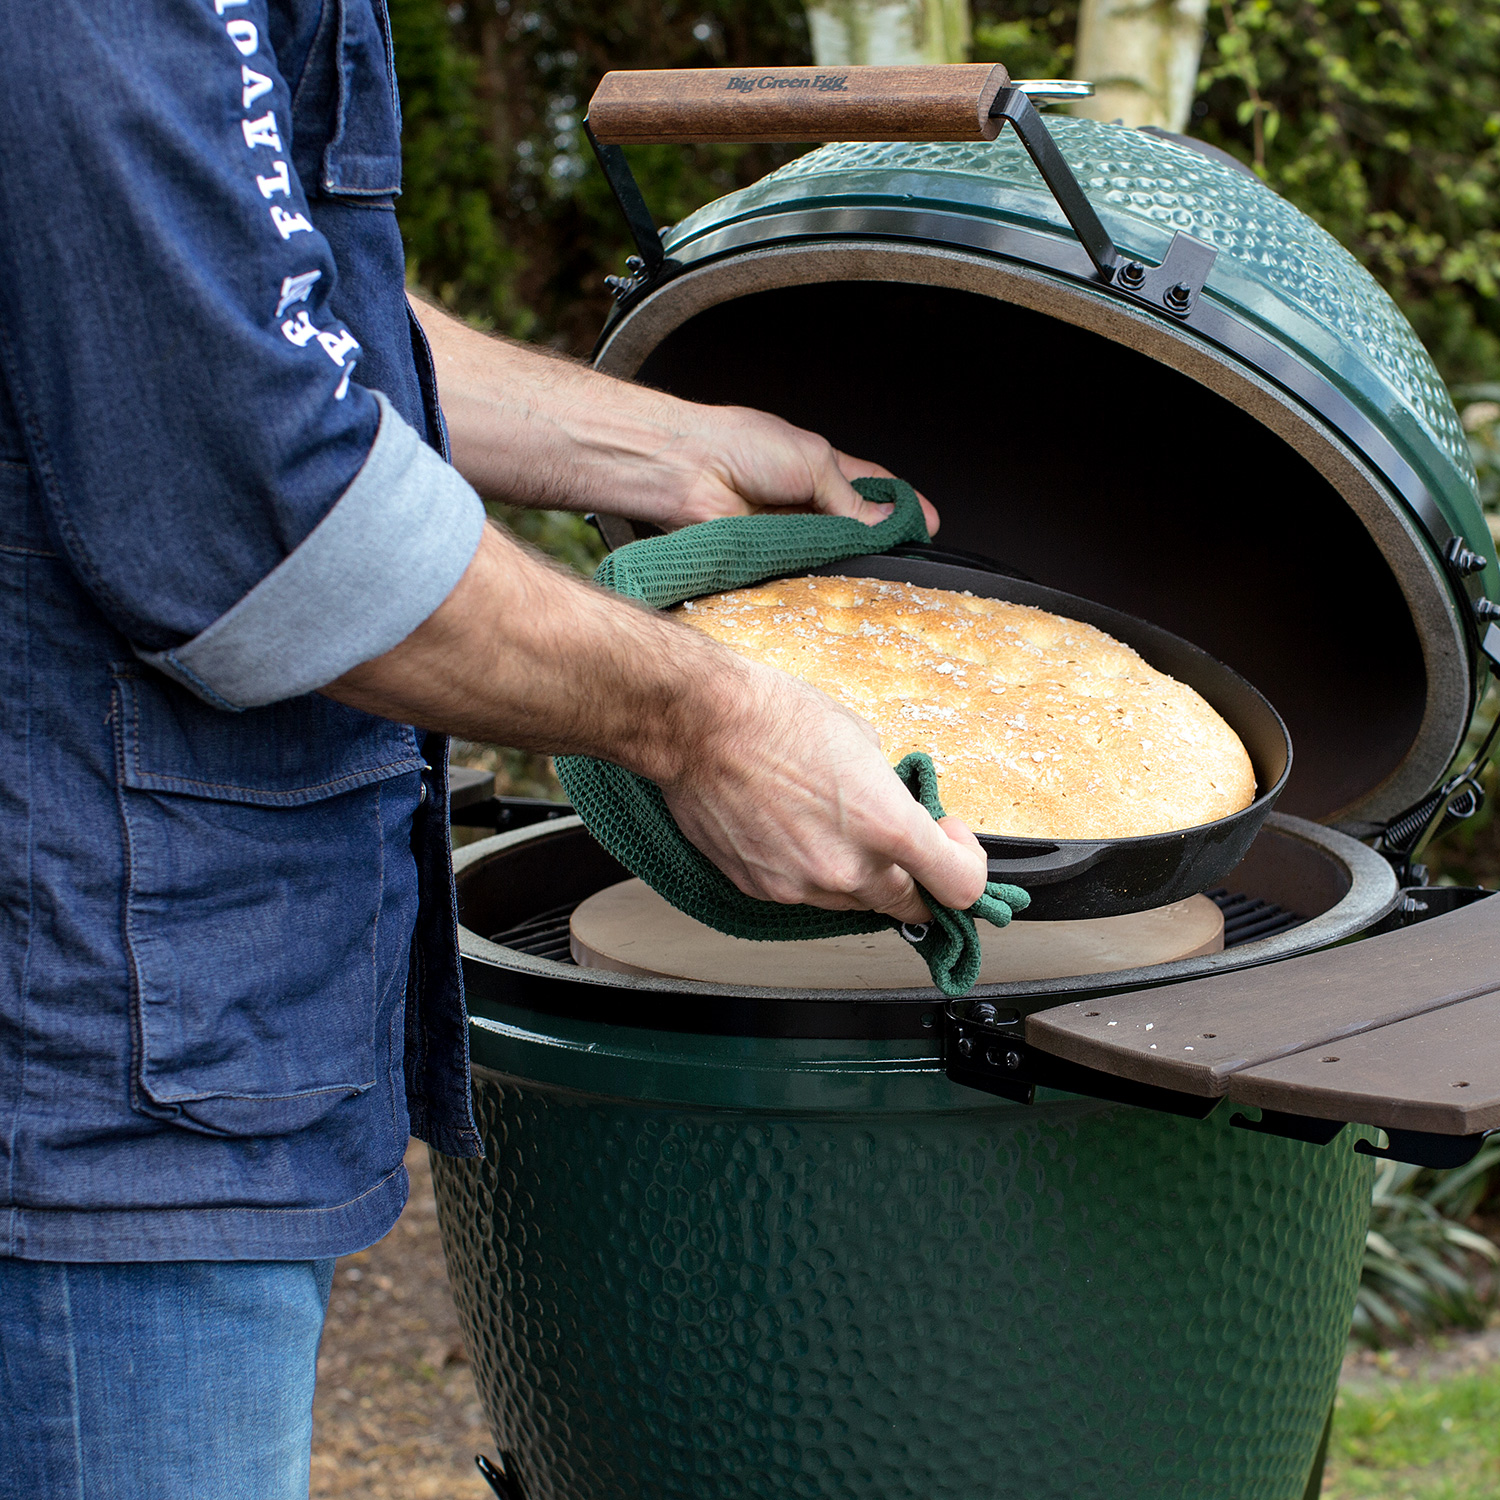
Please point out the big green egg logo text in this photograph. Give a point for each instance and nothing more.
(824, 83)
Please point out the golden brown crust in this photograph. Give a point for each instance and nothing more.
(1039, 726)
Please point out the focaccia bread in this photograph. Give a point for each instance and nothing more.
(1039, 726)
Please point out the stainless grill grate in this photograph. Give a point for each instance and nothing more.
(1246, 918)
(544, 935)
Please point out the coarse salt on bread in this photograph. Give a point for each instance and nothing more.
(1039, 726)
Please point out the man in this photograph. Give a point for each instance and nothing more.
(234, 570)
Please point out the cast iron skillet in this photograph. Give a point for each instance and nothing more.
(1072, 878)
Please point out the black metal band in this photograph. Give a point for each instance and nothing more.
(650, 267)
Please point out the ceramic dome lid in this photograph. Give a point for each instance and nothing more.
(1277, 273)
(1308, 511)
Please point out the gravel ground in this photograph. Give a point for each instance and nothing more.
(1459, 1353)
(396, 1416)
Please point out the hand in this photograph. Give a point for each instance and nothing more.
(736, 461)
(790, 796)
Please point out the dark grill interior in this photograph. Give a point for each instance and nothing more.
(1100, 472)
(1245, 919)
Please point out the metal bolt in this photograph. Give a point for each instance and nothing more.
(1012, 1060)
(635, 264)
(1487, 609)
(984, 1012)
(1180, 297)
(1132, 274)
(1463, 560)
(966, 1046)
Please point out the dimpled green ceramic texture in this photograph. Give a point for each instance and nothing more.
(981, 1301)
(1277, 269)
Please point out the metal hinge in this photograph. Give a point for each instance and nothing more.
(983, 1048)
(1174, 285)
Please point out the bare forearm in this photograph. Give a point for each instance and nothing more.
(784, 790)
(525, 654)
(533, 429)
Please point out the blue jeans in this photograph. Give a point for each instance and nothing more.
(175, 1380)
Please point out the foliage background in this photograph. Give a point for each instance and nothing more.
(1380, 118)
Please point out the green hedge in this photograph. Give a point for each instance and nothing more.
(1380, 118)
(505, 214)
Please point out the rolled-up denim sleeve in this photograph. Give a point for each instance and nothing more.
(252, 518)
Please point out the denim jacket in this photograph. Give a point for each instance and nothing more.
(228, 969)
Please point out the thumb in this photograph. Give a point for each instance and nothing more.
(950, 864)
(860, 468)
(834, 495)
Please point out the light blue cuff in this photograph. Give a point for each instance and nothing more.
(386, 555)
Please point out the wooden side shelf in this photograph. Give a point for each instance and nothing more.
(1400, 1031)
(1438, 1072)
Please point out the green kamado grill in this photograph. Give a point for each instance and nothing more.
(1093, 1238)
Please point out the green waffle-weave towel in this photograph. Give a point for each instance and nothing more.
(628, 814)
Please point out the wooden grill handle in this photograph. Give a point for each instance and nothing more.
(686, 106)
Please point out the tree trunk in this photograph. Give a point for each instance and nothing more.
(1142, 58)
(846, 32)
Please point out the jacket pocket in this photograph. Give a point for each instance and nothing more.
(270, 898)
(363, 156)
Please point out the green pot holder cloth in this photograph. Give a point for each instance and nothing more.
(628, 814)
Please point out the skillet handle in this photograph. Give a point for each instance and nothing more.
(1048, 866)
